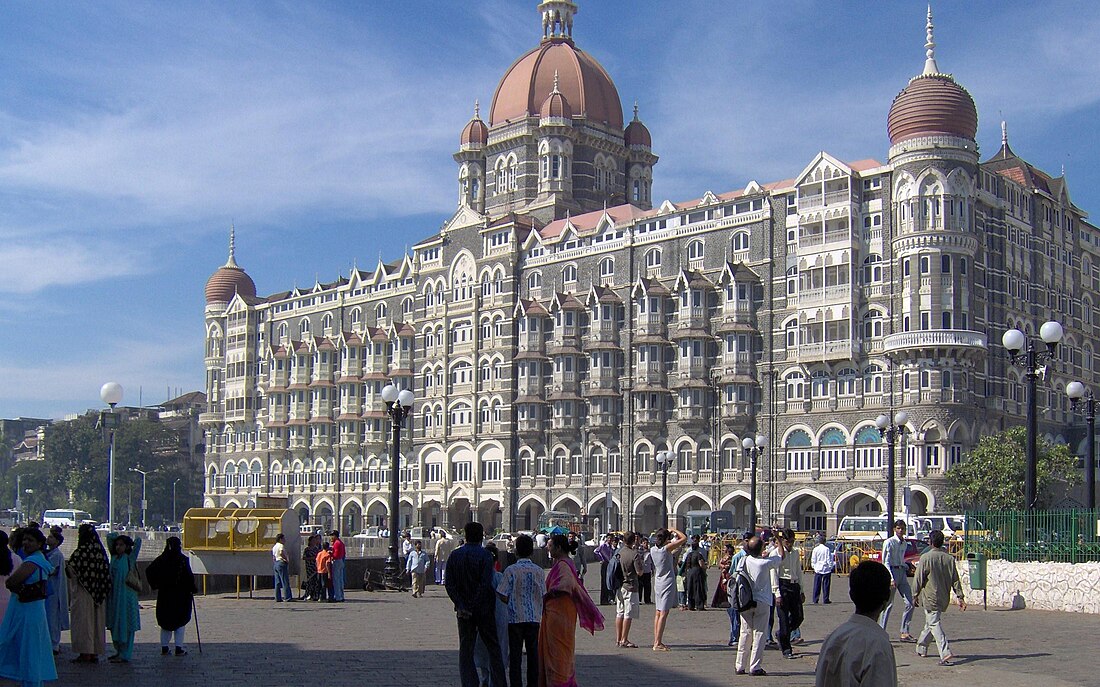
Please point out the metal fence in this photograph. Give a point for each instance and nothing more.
(1067, 536)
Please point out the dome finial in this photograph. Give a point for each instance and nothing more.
(930, 66)
(232, 262)
(635, 110)
(555, 82)
(477, 109)
(1004, 133)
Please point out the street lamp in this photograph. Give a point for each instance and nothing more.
(664, 458)
(144, 503)
(1034, 363)
(1078, 394)
(111, 393)
(30, 493)
(174, 520)
(753, 449)
(891, 433)
(398, 405)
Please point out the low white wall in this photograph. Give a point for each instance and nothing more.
(1073, 587)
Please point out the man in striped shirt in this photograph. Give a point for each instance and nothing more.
(522, 587)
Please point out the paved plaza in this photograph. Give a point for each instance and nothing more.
(387, 638)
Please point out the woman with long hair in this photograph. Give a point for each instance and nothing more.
(26, 654)
(123, 619)
(8, 563)
(89, 576)
(566, 602)
(57, 591)
(170, 574)
(311, 589)
(664, 580)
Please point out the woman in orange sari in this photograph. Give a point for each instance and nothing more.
(566, 602)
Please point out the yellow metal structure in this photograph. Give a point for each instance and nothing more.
(235, 529)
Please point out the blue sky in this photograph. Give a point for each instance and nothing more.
(132, 135)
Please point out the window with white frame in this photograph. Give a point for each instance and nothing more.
(490, 471)
(868, 449)
(569, 274)
(462, 471)
(695, 250)
(799, 449)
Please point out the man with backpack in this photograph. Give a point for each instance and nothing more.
(755, 575)
(622, 580)
(736, 566)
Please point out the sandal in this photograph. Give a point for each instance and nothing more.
(629, 645)
(660, 647)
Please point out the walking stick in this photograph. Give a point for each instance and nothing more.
(195, 613)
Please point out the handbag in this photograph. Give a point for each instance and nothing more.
(32, 591)
(133, 579)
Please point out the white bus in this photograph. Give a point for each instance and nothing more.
(66, 517)
(869, 527)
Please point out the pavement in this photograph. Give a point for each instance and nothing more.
(392, 639)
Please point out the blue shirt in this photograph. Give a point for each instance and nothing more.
(470, 579)
(524, 583)
(417, 562)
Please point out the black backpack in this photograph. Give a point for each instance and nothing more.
(741, 595)
(615, 577)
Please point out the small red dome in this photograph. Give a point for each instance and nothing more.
(227, 281)
(932, 104)
(475, 133)
(637, 134)
(556, 105)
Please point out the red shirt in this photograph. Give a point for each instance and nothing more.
(339, 553)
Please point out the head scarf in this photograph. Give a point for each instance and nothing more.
(88, 564)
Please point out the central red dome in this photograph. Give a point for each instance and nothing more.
(581, 79)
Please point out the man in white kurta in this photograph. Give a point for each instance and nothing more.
(858, 652)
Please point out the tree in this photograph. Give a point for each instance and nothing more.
(992, 475)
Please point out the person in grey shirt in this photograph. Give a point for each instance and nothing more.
(893, 557)
(858, 652)
(937, 576)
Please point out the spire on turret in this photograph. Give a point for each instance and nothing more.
(1004, 133)
(930, 66)
(555, 82)
(636, 111)
(232, 261)
(477, 109)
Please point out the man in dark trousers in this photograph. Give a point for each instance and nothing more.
(470, 585)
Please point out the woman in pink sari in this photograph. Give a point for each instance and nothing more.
(566, 602)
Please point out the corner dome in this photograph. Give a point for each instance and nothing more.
(475, 133)
(556, 106)
(932, 104)
(582, 81)
(229, 280)
(637, 134)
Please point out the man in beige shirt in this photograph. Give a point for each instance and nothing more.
(937, 576)
(443, 548)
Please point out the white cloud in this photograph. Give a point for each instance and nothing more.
(27, 268)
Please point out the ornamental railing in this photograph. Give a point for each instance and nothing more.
(1066, 536)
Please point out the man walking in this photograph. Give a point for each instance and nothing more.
(443, 549)
(788, 578)
(470, 587)
(522, 588)
(417, 565)
(754, 621)
(936, 578)
(736, 563)
(281, 564)
(339, 558)
(821, 558)
(627, 607)
(604, 552)
(893, 557)
(858, 652)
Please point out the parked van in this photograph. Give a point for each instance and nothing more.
(868, 527)
(64, 517)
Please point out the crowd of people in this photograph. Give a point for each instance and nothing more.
(44, 594)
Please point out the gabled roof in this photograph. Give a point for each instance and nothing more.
(587, 223)
(603, 294)
(1008, 164)
(649, 286)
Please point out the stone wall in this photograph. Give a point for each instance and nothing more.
(1073, 587)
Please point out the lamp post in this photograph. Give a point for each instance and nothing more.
(1034, 363)
(144, 503)
(111, 393)
(753, 449)
(174, 520)
(664, 458)
(19, 496)
(398, 405)
(891, 433)
(1078, 394)
(29, 493)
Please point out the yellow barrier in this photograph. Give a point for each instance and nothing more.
(234, 529)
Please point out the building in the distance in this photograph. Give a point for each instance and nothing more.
(562, 328)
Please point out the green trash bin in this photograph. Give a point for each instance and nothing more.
(976, 560)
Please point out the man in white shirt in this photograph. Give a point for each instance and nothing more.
(787, 577)
(858, 652)
(416, 564)
(765, 591)
(281, 564)
(821, 558)
(893, 557)
(522, 587)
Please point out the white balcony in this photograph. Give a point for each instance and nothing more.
(935, 338)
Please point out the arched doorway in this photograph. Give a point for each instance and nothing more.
(918, 502)
(647, 514)
(806, 513)
(352, 521)
(529, 513)
(430, 515)
(376, 513)
(691, 504)
(740, 506)
(605, 513)
(858, 503)
(303, 515)
(459, 512)
(324, 518)
(489, 514)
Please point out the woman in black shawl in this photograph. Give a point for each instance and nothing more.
(89, 576)
(170, 574)
(312, 588)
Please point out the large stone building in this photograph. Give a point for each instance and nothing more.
(560, 329)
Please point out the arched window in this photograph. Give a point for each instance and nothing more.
(795, 386)
(799, 451)
(872, 379)
(607, 268)
(534, 280)
(872, 325)
(846, 382)
(407, 306)
(872, 269)
(653, 258)
(741, 241)
(303, 328)
(695, 250)
(382, 311)
(356, 317)
(820, 384)
(868, 449)
(326, 324)
(834, 452)
(569, 274)
(790, 331)
(284, 332)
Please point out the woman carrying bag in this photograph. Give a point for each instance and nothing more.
(26, 654)
(123, 619)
